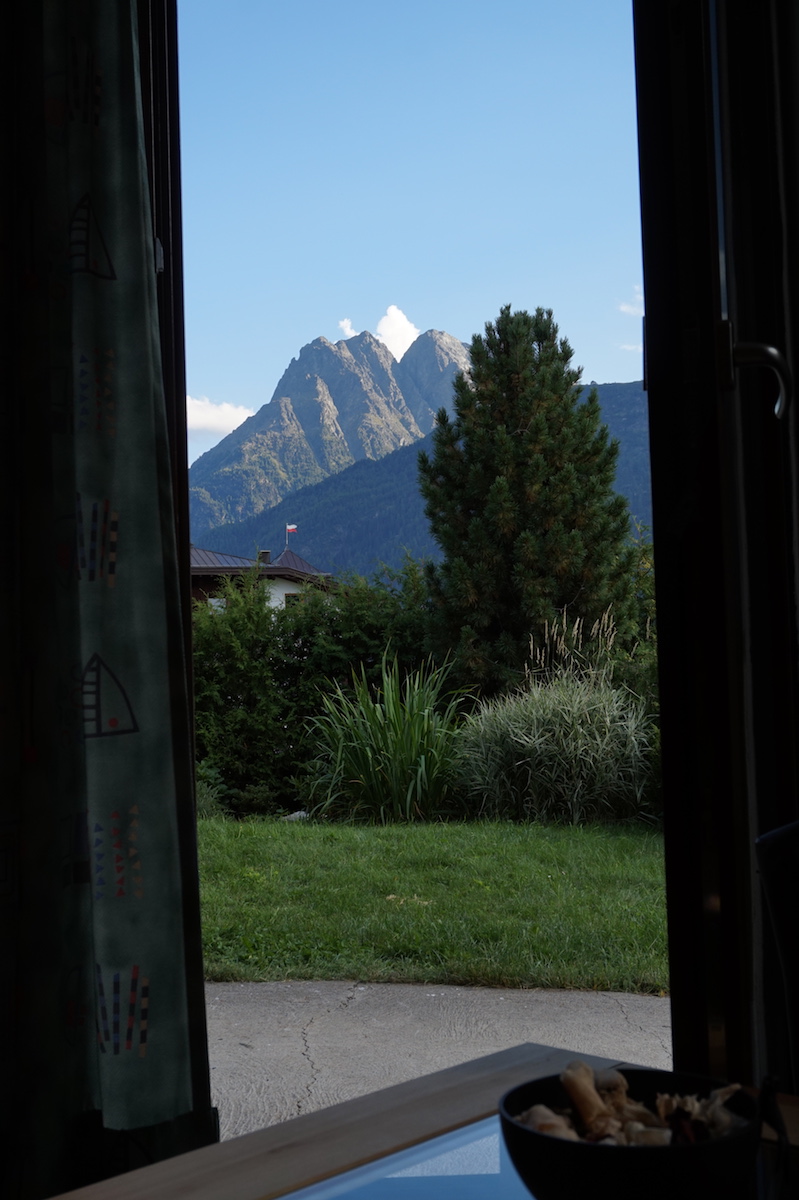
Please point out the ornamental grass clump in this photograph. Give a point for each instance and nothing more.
(386, 755)
(568, 748)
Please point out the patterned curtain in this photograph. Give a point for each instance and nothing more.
(105, 1060)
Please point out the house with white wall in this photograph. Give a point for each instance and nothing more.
(287, 574)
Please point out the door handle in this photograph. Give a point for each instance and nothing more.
(758, 354)
(732, 354)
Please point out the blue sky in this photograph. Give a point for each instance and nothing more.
(419, 164)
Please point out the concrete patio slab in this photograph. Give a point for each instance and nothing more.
(278, 1050)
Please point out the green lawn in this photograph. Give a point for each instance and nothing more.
(501, 905)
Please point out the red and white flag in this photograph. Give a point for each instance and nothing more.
(291, 529)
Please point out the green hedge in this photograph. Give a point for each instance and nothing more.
(259, 673)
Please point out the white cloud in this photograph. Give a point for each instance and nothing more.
(396, 331)
(346, 328)
(636, 349)
(215, 418)
(636, 309)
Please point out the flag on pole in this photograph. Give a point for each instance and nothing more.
(291, 529)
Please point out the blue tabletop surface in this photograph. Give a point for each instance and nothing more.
(470, 1164)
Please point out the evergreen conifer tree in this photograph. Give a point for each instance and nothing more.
(519, 492)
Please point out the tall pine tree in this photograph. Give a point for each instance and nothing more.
(519, 492)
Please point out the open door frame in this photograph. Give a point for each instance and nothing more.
(718, 162)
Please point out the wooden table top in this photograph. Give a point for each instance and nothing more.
(283, 1158)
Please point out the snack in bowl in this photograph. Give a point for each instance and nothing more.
(637, 1133)
(602, 1111)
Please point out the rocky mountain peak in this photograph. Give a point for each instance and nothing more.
(336, 403)
(426, 373)
(437, 348)
(365, 340)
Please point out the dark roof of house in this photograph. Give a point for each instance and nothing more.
(287, 560)
(211, 560)
(287, 565)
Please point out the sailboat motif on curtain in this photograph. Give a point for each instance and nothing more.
(107, 711)
(87, 247)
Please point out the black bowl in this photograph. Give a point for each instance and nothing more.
(555, 1169)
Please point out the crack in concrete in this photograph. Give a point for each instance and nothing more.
(350, 996)
(625, 1014)
(667, 1043)
(664, 1040)
(308, 1056)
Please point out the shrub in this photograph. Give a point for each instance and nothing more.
(587, 650)
(569, 748)
(387, 754)
(236, 702)
(258, 800)
(567, 648)
(211, 791)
